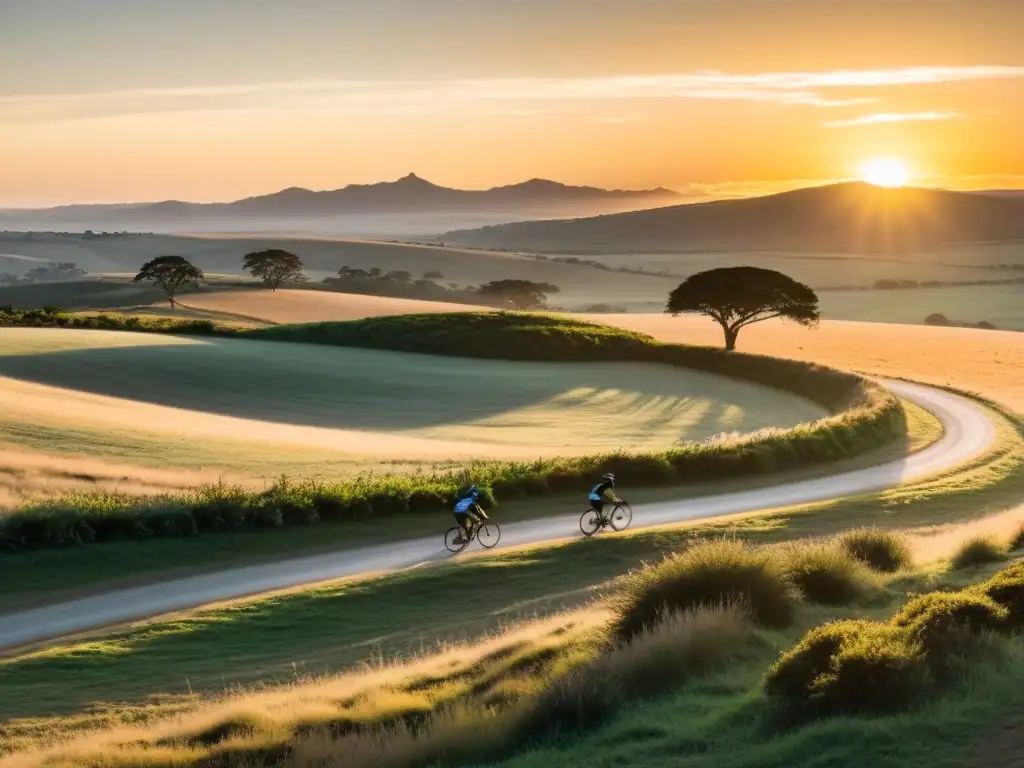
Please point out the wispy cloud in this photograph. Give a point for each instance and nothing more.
(893, 117)
(486, 96)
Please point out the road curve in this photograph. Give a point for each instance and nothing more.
(968, 432)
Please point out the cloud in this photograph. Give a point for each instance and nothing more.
(893, 117)
(490, 96)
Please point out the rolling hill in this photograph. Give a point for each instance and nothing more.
(840, 218)
(357, 208)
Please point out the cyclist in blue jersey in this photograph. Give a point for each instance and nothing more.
(598, 492)
(467, 512)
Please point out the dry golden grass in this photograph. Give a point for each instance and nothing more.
(990, 363)
(367, 694)
(297, 306)
(28, 474)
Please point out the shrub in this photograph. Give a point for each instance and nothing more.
(1006, 588)
(946, 623)
(878, 549)
(849, 667)
(976, 551)
(708, 574)
(826, 574)
(879, 669)
(1017, 540)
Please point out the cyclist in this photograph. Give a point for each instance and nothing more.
(598, 492)
(468, 512)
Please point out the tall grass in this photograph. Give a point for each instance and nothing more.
(978, 550)
(709, 574)
(880, 550)
(866, 416)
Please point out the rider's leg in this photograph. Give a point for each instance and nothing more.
(598, 506)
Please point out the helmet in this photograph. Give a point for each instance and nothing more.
(609, 476)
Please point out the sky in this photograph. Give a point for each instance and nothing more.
(205, 100)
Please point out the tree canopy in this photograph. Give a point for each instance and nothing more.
(274, 267)
(519, 294)
(171, 273)
(736, 297)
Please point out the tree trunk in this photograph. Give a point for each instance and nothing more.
(730, 338)
(170, 298)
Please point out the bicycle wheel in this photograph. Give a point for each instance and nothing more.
(451, 537)
(621, 517)
(590, 522)
(488, 535)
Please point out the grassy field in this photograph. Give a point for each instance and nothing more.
(323, 257)
(39, 577)
(1000, 305)
(986, 362)
(206, 664)
(581, 285)
(259, 407)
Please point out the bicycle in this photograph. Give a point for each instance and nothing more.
(619, 518)
(486, 532)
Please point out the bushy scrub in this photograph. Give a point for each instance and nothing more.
(711, 574)
(976, 551)
(946, 623)
(880, 550)
(826, 574)
(849, 667)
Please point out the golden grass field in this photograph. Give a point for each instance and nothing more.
(297, 306)
(990, 363)
(262, 408)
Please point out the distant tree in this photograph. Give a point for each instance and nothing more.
(518, 294)
(936, 318)
(399, 276)
(171, 273)
(433, 275)
(736, 297)
(274, 267)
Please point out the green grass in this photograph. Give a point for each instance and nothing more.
(330, 627)
(639, 406)
(866, 416)
(43, 576)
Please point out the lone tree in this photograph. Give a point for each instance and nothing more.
(736, 297)
(274, 267)
(519, 294)
(171, 273)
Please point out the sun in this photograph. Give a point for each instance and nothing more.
(885, 172)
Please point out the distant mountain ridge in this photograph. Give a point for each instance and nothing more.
(410, 194)
(851, 217)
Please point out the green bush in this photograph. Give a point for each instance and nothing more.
(879, 550)
(709, 574)
(849, 667)
(979, 550)
(826, 574)
(947, 623)
(1006, 588)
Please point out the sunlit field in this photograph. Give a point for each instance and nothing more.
(986, 362)
(268, 407)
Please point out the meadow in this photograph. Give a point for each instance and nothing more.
(580, 285)
(263, 408)
(272, 681)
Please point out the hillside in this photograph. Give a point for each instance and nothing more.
(841, 218)
(411, 199)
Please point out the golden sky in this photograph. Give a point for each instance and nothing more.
(128, 100)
